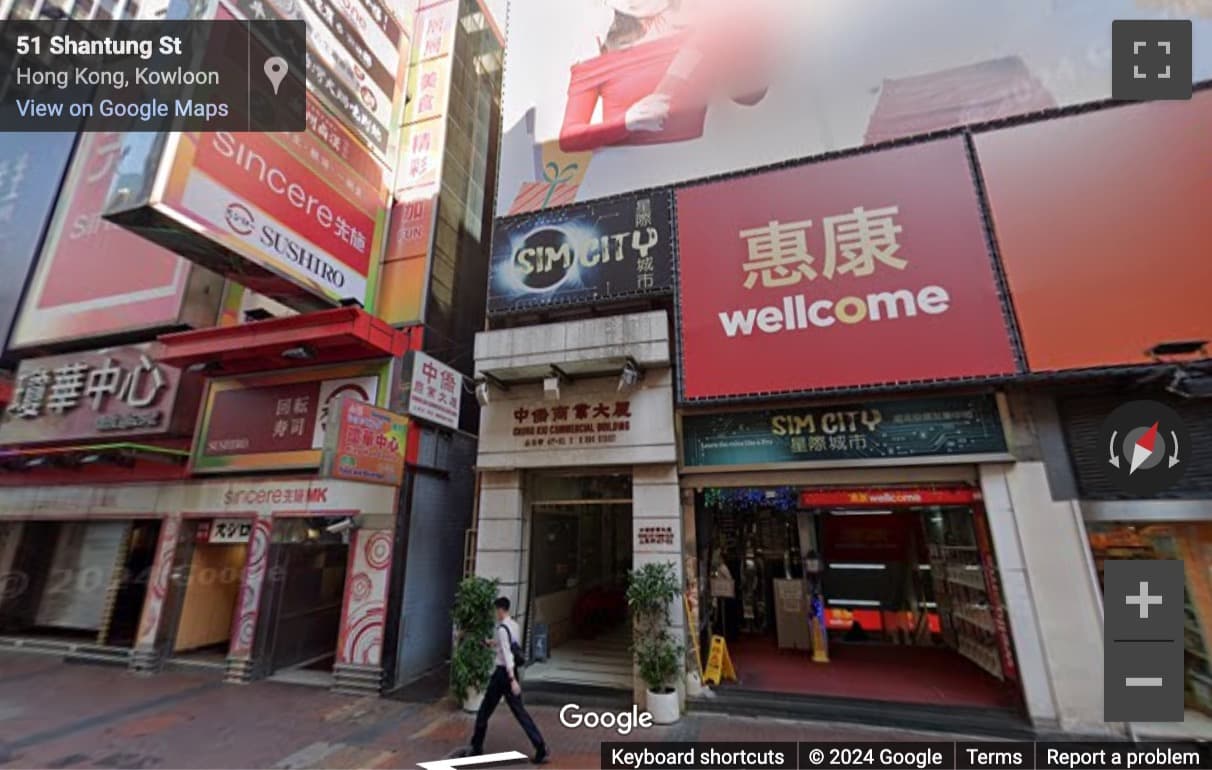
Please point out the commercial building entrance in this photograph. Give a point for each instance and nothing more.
(876, 594)
(580, 553)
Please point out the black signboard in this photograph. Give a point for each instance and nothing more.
(950, 425)
(583, 255)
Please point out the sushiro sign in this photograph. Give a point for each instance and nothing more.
(299, 217)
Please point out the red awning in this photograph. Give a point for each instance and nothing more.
(308, 339)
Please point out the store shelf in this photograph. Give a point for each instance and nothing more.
(968, 579)
(981, 618)
(981, 656)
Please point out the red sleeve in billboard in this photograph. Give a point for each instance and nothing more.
(867, 270)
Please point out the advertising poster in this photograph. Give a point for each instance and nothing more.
(300, 217)
(872, 269)
(95, 278)
(954, 425)
(602, 98)
(276, 421)
(365, 443)
(1102, 283)
(31, 167)
(101, 395)
(585, 254)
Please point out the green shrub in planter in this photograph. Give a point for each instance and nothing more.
(651, 590)
(474, 621)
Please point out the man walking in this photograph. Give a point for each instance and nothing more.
(504, 682)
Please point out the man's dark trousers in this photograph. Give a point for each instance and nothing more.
(498, 686)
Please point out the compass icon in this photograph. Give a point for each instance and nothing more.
(1145, 442)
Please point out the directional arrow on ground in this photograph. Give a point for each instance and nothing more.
(481, 759)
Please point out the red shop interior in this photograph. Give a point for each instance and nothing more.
(902, 581)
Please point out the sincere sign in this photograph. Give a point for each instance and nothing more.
(872, 268)
(104, 394)
(582, 255)
(959, 425)
(365, 443)
(435, 392)
(275, 420)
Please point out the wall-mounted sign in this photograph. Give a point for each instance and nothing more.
(228, 530)
(99, 395)
(585, 254)
(279, 420)
(435, 391)
(861, 270)
(365, 443)
(95, 278)
(592, 424)
(842, 498)
(299, 217)
(951, 425)
(1050, 249)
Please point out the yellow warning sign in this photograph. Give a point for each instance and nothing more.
(719, 663)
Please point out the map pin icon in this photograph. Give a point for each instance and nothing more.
(275, 70)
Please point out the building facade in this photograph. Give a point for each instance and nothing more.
(885, 377)
(214, 460)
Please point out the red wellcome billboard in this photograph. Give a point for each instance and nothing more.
(866, 270)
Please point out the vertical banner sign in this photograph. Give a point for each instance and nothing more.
(418, 173)
(95, 278)
(364, 443)
(864, 270)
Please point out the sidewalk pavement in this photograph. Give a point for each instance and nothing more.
(66, 715)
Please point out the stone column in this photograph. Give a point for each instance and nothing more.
(359, 666)
(252, 584)
(1053, 606)
(500, 536)
(656, 523)
(145, 658)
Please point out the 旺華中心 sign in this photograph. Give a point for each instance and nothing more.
(586, 254)
(952, 425)
(364, 443)
(104, 394)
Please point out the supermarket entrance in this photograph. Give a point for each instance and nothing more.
(875, 594)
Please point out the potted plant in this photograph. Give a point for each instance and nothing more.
(651, 590)
(471, 661)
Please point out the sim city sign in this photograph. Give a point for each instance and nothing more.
(101, 395)
(874, 269)
(586, 254)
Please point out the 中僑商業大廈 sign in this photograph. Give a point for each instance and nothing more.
(877, 430)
